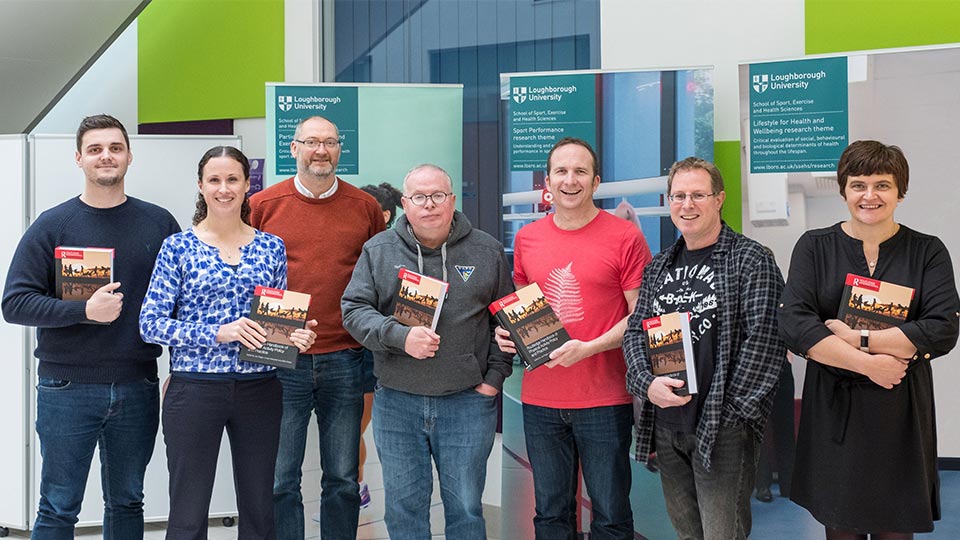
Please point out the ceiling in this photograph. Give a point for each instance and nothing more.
(46, 45)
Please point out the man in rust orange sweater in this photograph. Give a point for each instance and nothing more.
(324, 223)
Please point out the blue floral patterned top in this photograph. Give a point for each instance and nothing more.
(193, 292)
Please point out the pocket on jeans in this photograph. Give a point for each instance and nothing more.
(152, 380)
(51, 384)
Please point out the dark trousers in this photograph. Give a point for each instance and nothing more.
(779, 443)
(195, 413)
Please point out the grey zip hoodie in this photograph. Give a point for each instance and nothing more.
(474, 265)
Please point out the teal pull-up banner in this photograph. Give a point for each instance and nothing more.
(545, 109)
(799, 115)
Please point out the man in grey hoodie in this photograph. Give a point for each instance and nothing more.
(436, 389)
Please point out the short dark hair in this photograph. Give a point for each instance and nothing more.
(388, 197)
(692, 163)
(100, 121)
(579, 142)
(223, 151)
(863, 158)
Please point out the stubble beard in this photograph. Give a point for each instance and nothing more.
(107, 181)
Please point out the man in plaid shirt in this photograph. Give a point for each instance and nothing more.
(707, 443)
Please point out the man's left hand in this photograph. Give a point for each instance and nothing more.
(486, 389)
(569, 354)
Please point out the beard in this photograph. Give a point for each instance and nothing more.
(321, 170)
(107, 181)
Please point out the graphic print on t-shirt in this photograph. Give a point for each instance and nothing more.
(563, 292)
(690, 287)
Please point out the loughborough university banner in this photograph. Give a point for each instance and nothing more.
(385, 130)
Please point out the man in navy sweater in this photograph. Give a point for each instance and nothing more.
(97, 382)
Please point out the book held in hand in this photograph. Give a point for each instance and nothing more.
(670, 349)
(279, 312)
(420, 299)
(871, 304)
(80, 271)
(532, 323)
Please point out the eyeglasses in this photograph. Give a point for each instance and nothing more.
(313, 144)
(678, 198)
(420, 199)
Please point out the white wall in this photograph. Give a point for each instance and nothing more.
(679, 33)
(109, 86)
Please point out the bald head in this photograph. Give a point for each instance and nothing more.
(430, 169)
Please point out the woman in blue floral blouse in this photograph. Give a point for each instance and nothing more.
(197, 304)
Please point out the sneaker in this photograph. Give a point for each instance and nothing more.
(364, 495)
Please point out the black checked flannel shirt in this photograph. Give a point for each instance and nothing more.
(750, 353)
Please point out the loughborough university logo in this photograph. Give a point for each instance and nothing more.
(520, 94)
(285, 103)
(760, 83)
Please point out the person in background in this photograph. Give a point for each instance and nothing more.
(389, 198)
(198, 304)
(779, 446)
(97, 384)
(867, 445)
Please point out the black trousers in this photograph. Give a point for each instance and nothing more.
(779, 443)
(195, 413)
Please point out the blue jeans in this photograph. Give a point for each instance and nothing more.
(72, 420)
(458, 432)
(599, 437)
(329, 385)
(714, 504)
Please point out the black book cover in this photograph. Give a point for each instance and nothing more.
(532, 323)
(279, 312)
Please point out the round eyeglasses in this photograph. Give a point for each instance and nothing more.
(420, 199)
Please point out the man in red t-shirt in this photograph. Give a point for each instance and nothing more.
(589, 264)
(324, 223)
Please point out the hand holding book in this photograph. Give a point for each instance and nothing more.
(303, 338)
(421, 342)
(104, 305)
(662, 392)
(249, 333)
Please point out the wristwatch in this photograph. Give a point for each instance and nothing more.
(865, 341)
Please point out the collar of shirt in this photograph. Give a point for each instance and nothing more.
(307, 193)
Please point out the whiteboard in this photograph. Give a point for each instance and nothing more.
(163, 172)
(14, 377)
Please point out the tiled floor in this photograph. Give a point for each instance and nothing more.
(371, 518)
(778, 520)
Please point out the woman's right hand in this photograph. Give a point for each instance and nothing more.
(502, 337)
(249, 333)
(885, 370)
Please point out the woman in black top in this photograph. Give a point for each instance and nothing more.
(867, 447)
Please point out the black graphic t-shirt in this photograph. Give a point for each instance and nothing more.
(691, 286)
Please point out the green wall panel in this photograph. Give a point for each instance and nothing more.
(726, 156)
(207, 59)
(853, 25)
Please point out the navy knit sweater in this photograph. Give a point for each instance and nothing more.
(66, 348)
